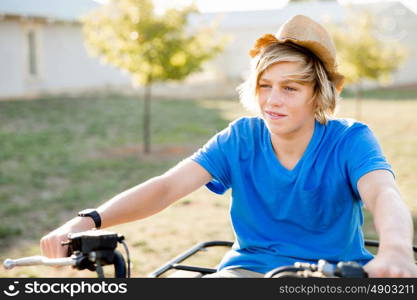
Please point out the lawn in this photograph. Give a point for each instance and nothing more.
(62, 155)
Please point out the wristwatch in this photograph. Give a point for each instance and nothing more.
(93, 214)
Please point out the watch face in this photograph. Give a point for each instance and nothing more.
(86, 211)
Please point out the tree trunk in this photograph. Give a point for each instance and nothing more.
(147, 120)
(358, 102)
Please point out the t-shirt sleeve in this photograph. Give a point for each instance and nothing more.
(213, 157)
(364, 155)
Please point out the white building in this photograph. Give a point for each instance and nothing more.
(42, 49)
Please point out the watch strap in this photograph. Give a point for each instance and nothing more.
(93, 214)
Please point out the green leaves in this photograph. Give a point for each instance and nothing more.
(361, 54)
(129, 35)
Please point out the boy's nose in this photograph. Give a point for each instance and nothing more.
(275, 97)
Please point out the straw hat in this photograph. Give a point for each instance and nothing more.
(305, 32)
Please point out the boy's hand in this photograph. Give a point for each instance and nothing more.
(50, 244)
(392, 263)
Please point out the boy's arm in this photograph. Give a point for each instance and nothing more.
(154, 195)
(136, 203)
(393, 223)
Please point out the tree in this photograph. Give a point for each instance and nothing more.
(150, 47)
(363, 56)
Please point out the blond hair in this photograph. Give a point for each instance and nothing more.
(325, 94)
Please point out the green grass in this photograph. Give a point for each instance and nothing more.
(62, 155)
(58, 155)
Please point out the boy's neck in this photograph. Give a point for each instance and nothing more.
(291, 148)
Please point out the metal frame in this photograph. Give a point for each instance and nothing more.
(175, 262)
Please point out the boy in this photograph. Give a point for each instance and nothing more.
(299, 177)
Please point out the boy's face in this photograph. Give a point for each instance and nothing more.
(285, 104)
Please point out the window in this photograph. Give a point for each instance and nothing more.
(32, 61)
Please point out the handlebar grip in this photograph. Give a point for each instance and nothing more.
(350, 269)
(38, 260)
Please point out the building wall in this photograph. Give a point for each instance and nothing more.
(62, 62)
(11, 63)
(66, 63)
(401, 28)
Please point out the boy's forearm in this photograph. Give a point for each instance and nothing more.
(147, 198)
(135, 203)
(393, 222)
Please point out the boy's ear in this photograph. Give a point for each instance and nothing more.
(314, 98)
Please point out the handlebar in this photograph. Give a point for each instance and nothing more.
(94, 249)
(349, 269)
(38, 260)
(90, 250)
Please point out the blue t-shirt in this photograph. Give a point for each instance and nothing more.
(281, 216)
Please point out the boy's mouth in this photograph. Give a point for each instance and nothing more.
(274, 115)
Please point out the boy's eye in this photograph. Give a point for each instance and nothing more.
(289, 89)
(264, 86)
